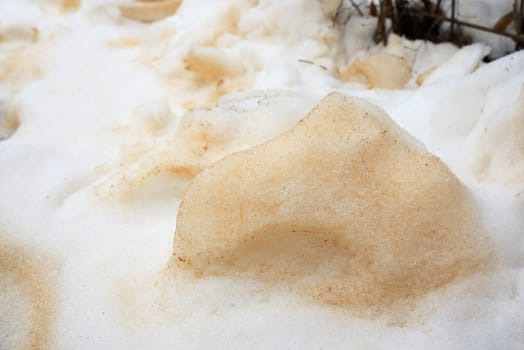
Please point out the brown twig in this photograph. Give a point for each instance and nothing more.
(357, 8)
(311, 62)
(452, 29)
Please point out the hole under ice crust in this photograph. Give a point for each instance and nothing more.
(9, 122)
(345, 208)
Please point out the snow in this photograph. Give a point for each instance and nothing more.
(100, 99)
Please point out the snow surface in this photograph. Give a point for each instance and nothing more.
(100, 100)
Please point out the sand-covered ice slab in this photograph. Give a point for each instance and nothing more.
(345, 208)
(165, 161)
(149, 11)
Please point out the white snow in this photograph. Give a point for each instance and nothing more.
(100, 98)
